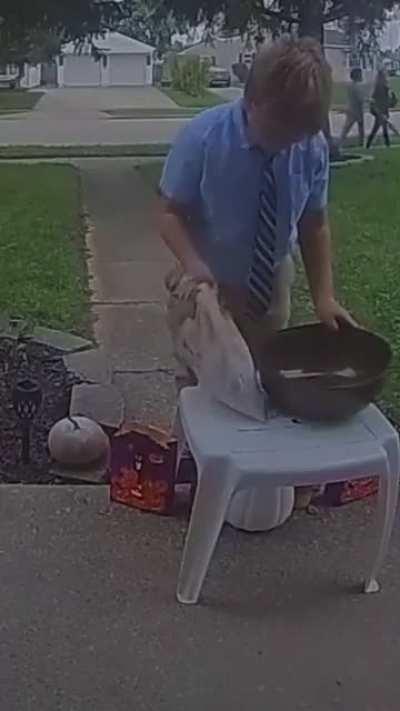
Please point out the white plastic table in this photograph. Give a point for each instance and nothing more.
(233, 453)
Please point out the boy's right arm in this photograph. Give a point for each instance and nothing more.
(180, 196)
(175, 231)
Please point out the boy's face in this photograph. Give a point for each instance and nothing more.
(269, 131)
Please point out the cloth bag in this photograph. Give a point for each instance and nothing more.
(220, 358)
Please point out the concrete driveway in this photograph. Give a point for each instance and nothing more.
(94, 101)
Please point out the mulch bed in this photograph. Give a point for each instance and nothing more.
(17, 361)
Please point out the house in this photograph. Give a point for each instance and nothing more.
(337, 53)
(30, 78)
(110, 60)
(227, 51)
(223, 52)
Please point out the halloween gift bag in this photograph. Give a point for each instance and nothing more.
(350, 491)
(143, 468)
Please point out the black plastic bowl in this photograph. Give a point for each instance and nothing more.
(321, 391)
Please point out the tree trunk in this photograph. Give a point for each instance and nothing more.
(311, 20)
(311, 24)
(21, 72)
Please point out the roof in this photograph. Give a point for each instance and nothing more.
(111, 43)
(211, 42)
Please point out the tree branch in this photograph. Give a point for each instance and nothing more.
(280, 15)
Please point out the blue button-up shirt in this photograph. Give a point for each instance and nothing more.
(214, 173)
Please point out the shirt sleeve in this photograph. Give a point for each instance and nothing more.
(318, 199)
(183, 169)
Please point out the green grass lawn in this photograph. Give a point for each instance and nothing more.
(136, 150)
(366, 228)
(18, 100)
(127, 113)
(206, 100)
(42, 269)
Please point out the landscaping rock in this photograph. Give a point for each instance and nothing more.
(65, 342)
(13, 328)
(90, 366)
(101, 403)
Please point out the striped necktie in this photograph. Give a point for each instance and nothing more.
(261, 276)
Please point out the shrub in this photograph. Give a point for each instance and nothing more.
(190, 75)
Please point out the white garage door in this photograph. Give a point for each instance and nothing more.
(81, 71)
(128, 69)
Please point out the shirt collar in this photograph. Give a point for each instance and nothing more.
(240, 121)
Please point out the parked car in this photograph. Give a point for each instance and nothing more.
(8, 81)
(219, 77)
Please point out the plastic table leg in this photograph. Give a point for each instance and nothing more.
(387, 506)
(214, 494)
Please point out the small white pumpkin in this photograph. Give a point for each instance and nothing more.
(78, 441)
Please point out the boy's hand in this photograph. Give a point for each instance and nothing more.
(197, 270)
(333, 314)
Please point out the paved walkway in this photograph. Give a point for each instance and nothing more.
(128, 265)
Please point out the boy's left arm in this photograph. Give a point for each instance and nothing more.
(316, 247)
(316, 244)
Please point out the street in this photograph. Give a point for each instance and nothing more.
(77, 117)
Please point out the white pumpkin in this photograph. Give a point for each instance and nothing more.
(78, 441)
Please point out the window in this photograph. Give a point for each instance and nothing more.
(149, 60)
(105, 61)
(61, 60)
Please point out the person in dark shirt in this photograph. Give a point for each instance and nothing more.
(383, 99)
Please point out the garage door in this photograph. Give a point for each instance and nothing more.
(81, 71)
(128, 70)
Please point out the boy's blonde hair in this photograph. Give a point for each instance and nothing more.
(294, 78)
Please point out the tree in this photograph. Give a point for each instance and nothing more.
(69, 19)
(308, 16)
(33, 48)
(149, 21)
(33, 31)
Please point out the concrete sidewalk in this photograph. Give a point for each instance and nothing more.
(89, 619)
(128, 264)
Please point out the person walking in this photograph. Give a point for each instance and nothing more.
(355, 107)
(382, 101)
